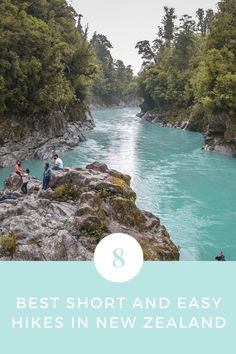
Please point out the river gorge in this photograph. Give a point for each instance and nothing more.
(191, 190)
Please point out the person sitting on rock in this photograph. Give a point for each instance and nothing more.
(46, 176)
(220, 256)
(18, 168)
(25, 181)
(57, 163)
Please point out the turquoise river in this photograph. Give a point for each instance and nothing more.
(192, 191)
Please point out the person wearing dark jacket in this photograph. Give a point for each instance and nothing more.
(46, 176)
(220, 257)
(25, 181)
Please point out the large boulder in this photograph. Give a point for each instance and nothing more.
(67, 221)
(13, 184)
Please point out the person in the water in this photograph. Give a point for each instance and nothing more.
(220, 256)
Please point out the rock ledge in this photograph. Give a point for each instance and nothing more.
(66, 222)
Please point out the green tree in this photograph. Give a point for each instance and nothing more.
(168, 23)
(146, 51)
(45, 64)
(114, 81)
(204, 21)
(215, 79)
(195, 74)
(150, 51)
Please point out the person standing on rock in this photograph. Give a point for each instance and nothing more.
(57, 163)
(18, 168)
(25, 181)
(46, 176)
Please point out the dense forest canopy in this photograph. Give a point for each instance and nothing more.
(47, 62)
(190, 68)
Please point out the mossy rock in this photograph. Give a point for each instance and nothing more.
(90, 203)
(153, 251)
(119, 182)
(152, 222)
(76, 112)
(198, 121)
(117, 174)
(105, 190)
(230, 133)
(90, 225)
(8, 243)
(11, 129)
(66, 192)
(126, 212)
(85, 211)
(117, 187)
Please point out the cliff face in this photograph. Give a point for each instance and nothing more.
(38, 136)
(67, 221)
(219, 130)
(221, 135)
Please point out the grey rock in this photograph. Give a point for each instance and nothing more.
(66, 222)
(41, 135)
(219, 130)
(221, 135)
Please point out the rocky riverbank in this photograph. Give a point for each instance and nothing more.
(67, 221)
(39, 135)
(219, 131)
(154, 117)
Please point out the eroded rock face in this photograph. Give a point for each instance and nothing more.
(221, 135)
(164, 121)
(219, 129)
(38, 136)
(67, 221)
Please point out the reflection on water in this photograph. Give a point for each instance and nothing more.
(193, 192)
(124, 151)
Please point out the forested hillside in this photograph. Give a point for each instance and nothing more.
(114, 83)
(50, 71)
(45, 64)
(189, 73)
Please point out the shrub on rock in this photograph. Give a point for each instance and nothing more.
(8, 243)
